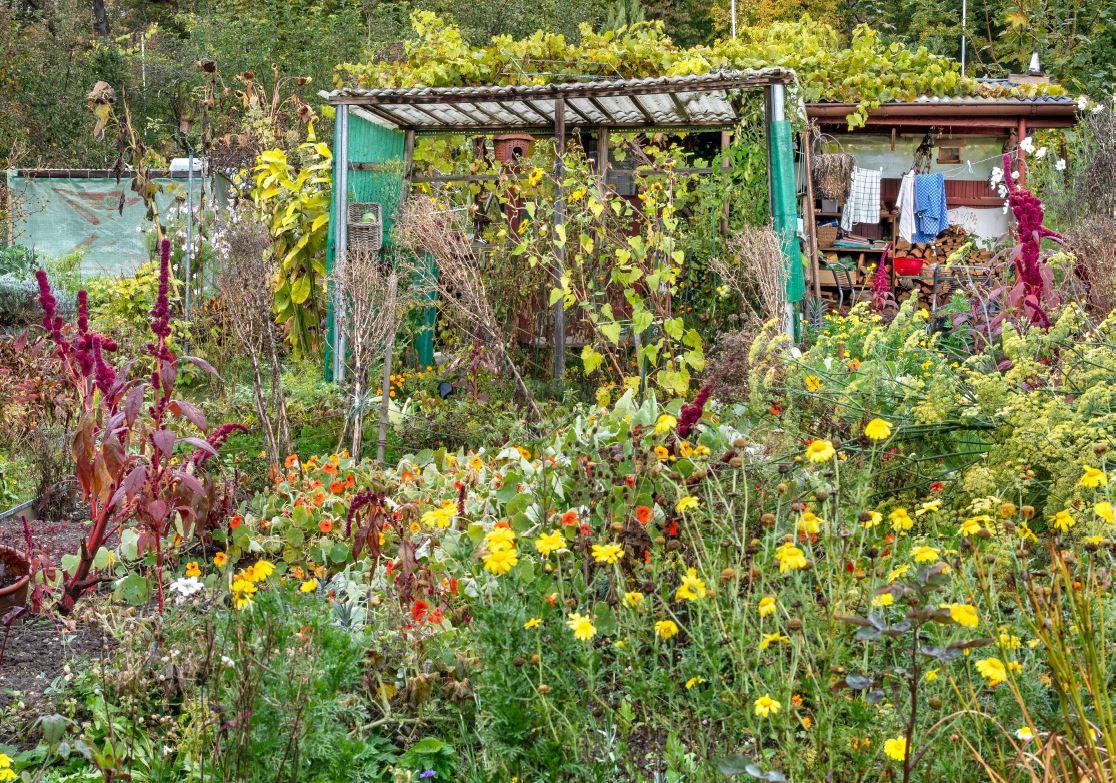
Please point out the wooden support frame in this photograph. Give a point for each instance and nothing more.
(559, 340)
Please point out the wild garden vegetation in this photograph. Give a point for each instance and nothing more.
(882, 550)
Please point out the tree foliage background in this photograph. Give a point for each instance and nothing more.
(52, 51)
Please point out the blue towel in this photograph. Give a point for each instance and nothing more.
(931, 215)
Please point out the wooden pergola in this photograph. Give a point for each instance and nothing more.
(705, 102)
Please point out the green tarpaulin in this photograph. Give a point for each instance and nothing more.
(56, 216)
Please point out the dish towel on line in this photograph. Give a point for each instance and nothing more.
(931, 214)
(863, 205)
(906, 204)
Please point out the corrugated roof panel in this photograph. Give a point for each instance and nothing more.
(621, 109)
(586, 107)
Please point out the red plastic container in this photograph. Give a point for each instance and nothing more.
(906, 266)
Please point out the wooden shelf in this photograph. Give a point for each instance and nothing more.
(832, 249)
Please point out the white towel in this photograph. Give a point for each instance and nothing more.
(863, 205)
(906, 204)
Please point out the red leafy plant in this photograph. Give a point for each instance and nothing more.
(124, 446)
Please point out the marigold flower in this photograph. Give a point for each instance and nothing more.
(692, 587)
(309, 586)
(820, 451)
(440, 517)
(644, 514)
(570, 518)
(192, 568)
(790, 558)
(883, 599)
(766, 606)
(633, 598)
(242, 590)
(765, 706)
(812, 383)
(549, 543)
(1093, 478)
(260, 570)
(534, 622)
(769, 639)
(501, 560)
(6, 771)
(873, 518)
(499, 537)
(993, 670)
(928, 507)
(877, 429)
(665, 424)
(1105, 511)
(809, 522)
(220, 559)
(582, 627)
(900, 520)
(963, 614)
(924, 554)
(666, 629)
(1063, 520)
(684, 504)
(896, 748)
(690, 683)
(609, 554)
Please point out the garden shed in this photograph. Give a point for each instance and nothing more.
(962, 139)
(375, 134)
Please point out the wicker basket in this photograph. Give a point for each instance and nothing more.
(365, 227)
(827, 235)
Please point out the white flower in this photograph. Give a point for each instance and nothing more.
(1002, 191)
(1005, 208)
(1040, 152)
(1027, 145)
(1015, 175)
(1098, 109)
(1061, 164)
(1083, 102)
(997, 175)
(186, 586)
(1024, 734)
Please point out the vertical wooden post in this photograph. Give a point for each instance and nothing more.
(385, 389)
(1020, 135)
(811, 222)
(726, 141)
(559, 339)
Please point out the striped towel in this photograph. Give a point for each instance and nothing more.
(863, 204)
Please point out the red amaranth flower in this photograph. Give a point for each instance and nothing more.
(216, 439)
(692, 411)
(360, 500)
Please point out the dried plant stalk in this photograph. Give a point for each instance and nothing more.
(374, 295)
(425, 227)
(755, 270)
(245, 282)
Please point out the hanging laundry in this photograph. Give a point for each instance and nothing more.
(931, 213)
(906, 204)
(863, 204)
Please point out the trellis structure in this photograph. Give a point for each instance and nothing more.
(375, 130)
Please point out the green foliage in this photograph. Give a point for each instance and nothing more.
(865, 70)
(291, 194)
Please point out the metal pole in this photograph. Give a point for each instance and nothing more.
(778, 114)
(341, 194)
(189, 231)
(964, 23)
